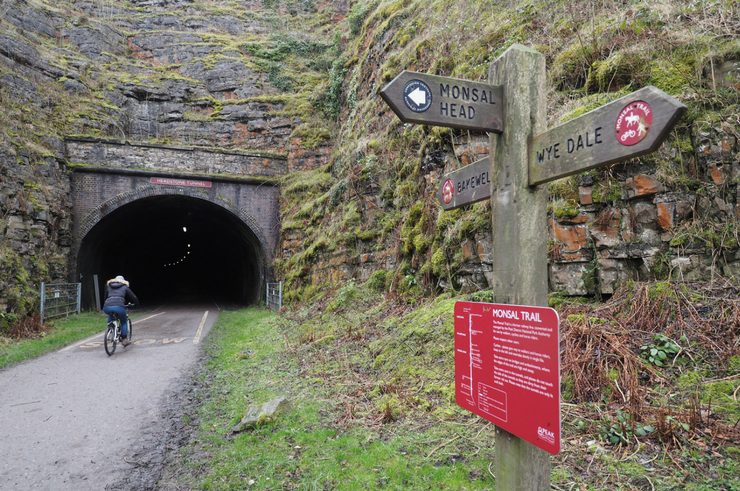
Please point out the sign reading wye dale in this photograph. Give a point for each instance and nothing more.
(445, 101)
(468, 185)
(631, 126)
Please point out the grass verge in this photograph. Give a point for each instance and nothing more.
(371, 381)
(324, 442)
(63, 332)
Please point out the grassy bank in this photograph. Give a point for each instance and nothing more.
(60, 333)
(371, 382)
(328, 440)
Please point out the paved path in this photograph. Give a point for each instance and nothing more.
(69, 420)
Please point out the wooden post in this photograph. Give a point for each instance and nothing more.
(519, 214)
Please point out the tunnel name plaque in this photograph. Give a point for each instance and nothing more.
(180, 182)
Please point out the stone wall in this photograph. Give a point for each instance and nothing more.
(638, 222)
(172, 158)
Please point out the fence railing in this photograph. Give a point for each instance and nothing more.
(60, 299)
(274, 296)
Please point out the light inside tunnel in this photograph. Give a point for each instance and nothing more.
(216, 257)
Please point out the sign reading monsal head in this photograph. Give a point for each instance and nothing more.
(445, 101)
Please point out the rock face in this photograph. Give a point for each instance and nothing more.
(208, 74)
(637, 229)
(165, 71)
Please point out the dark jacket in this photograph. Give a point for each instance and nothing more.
(118, 293)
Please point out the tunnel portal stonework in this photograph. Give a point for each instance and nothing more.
(108, 175)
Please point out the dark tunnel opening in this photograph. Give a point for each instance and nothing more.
(173, 249)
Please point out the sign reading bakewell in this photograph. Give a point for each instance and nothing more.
(507, 368)
(467, 185)
(180, 182)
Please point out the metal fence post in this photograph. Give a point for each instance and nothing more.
(79, 298)
(43, 300)
(97, 292)
(60, 299)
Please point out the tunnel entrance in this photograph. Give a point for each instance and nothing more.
(174, 248)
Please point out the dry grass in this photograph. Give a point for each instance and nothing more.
(27, 327)
(601, 355)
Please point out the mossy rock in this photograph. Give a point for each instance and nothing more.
(622, 68)
(562, 208)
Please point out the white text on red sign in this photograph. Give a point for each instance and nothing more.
(180, 182)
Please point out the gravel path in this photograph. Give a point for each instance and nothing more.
(77, 419)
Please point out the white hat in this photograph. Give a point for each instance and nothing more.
(120, 278)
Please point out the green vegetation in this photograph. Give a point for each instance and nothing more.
(622, 429)
(57, 334)
(326, 440)
(663, 350)
(371, 381)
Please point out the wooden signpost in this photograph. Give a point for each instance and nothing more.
(631, 126)
(522, 156)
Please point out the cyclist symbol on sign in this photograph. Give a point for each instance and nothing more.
(417, 95)
(448, 191)
(633, 123)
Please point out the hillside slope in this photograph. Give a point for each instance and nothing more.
(222, 75)
(672, 214)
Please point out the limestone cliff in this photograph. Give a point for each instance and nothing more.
(299, 79)
(241, 76)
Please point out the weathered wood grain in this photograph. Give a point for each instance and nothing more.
(456, 103)
(590, 141)
(519, 214)
(471, 184)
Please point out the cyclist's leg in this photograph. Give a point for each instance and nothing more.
(109, 310)
(124, 323)
(121, 312)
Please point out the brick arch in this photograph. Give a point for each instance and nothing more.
(102, 210)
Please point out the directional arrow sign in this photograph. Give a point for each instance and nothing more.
(468, 185)
(445, 101)
(418, 97)
(623, 129)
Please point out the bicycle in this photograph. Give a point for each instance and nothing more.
(113, 332)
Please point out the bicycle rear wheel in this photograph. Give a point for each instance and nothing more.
(110, 341)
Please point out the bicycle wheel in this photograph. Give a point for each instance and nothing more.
(130, 329)
(109, 341)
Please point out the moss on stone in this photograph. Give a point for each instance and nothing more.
(311, 135)
(564, 208)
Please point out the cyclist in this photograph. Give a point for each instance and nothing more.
(117, 294)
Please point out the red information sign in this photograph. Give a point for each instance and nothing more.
(507, 368)
(180, 182)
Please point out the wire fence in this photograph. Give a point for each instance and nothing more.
(274, 296)
(60, 299)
